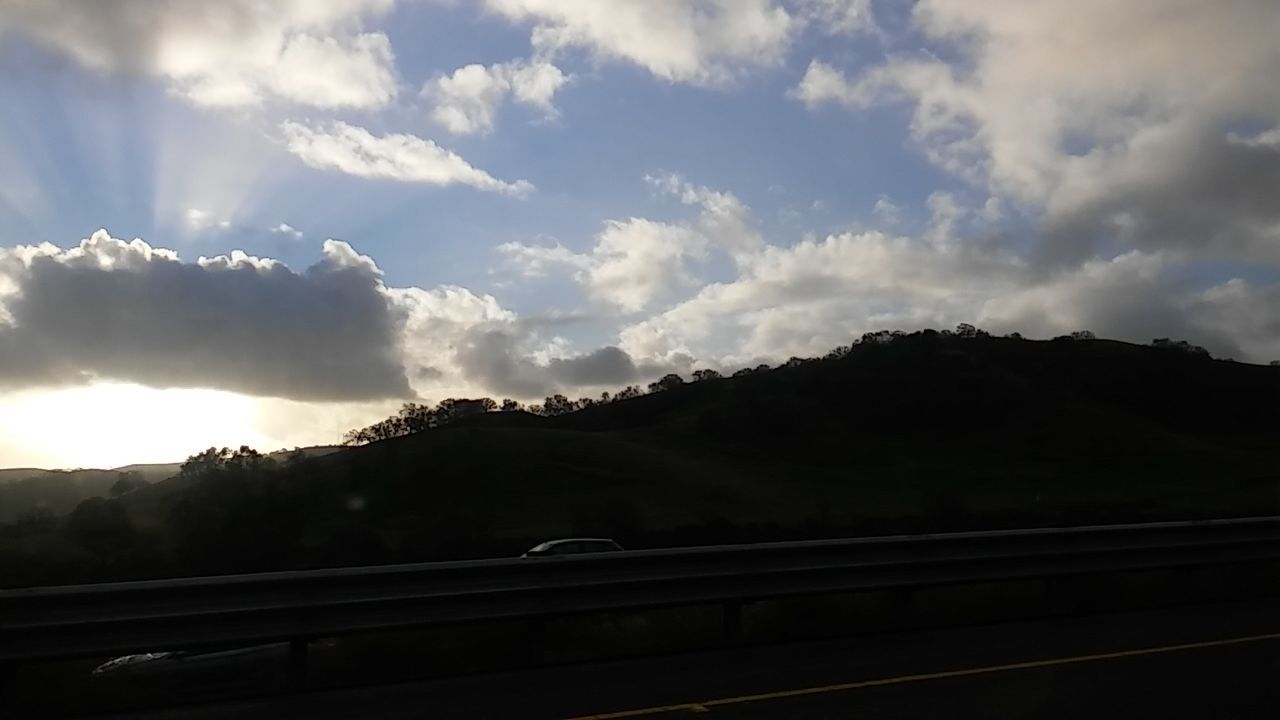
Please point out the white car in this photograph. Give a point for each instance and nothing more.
(572, 546)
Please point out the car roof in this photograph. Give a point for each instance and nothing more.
(552, 543)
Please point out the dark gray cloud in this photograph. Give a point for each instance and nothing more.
(491, 359)
(606, 366)
(1206, 194)
(123, 311)
(494, 360)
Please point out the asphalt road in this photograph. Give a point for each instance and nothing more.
(1194, 662)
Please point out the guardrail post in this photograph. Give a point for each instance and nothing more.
(732, 622)
(298, 661)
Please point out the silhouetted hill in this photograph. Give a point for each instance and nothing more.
(927, 431)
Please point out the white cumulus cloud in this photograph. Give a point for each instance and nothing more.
(467, 101)
(703, 42)
(395, 156)
(226, 53)
(1107, 120)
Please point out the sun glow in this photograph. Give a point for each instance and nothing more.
(112, 424)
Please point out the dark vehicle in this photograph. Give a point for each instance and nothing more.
(572, 546)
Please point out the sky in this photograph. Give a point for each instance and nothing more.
(268, 223)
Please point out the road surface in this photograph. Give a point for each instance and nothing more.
(1203, 661)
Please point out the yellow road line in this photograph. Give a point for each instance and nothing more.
(704, 705)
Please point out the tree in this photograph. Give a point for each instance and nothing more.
(705, 374)
(37, 517)
(628, 392)
(1179, 346)
(1083, 335)
(558, 405)
(102, 527)
(509, 405)
(965, 330)
(236, 512)
(127, 482)
(666, 382)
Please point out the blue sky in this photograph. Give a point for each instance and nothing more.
(532, 196)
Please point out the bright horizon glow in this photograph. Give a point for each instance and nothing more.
(108, 425)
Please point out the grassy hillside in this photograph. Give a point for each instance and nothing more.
(936, 429)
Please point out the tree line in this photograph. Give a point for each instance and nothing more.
(415, 417)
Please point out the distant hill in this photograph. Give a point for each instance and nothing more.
(928, 432)
(22, 489)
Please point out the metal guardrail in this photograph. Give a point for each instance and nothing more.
(187, 613)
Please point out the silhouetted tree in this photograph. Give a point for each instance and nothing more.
(237, 514)
(127, 482)
(509, 405)
(965, 330)
(103, 528)
(1083, 335)
(558, 405)
(453, 408)
(1179, 346)
(666, 382)
(412, 418)
(628, 392)
(705, 374)
(39, 517)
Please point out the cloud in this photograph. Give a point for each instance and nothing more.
(1109, 122)
(109, 310)
(1246, 312)
(1128, 297)
(886, 211)
(124, 311)
(704, 42)
(839, 17)
(803, 299)
(467, 101)
(638, 262)
(633, 262)
(396, 156)
(608, 366)
(201, 220)
(287, 230)
(227, 53)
